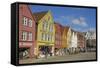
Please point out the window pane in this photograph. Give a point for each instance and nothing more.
(48, 37)
(42, 36)
(51, 28)
(30, 36)
(45, 25)
(30, 23)
(45, 36)
(24, 36)
(25, 21)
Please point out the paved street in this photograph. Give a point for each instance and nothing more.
(80, 56)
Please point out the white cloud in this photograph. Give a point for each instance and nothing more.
(76, 29)
(62, 19)
(89, 29)
(71, 20)
(67, 17)
(92, 29)
(79, 21)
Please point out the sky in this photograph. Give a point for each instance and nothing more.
(78, 18)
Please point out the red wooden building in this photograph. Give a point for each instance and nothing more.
(58, 38)
(81, 41)
(26, 32)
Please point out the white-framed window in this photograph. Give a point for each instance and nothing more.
(45, 25)
(51, 28)
(30, 23)
(25, 21)
(30, 36)
(41, 36)
(50, 37)
(45, 36)
(24, 36)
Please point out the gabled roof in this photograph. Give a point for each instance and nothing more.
(39, 15)
(31, 12)
(62, 29)
(65, 28)
(58, 24)
(72, 30)
(80, 33)
(58, 27)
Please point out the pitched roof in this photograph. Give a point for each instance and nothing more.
(79, 33)
(67, 28)
(63, 28)
(72, 30)
(58, 27)
(39, 15)
(31, 12)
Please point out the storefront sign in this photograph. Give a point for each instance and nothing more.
(25, 44)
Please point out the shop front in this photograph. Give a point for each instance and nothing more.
(25, 50)
(45, 51)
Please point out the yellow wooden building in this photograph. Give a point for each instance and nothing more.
(66, 39)
(45, 32)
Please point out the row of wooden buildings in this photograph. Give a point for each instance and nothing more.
(40, 35)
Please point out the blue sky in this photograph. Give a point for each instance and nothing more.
(79, 19)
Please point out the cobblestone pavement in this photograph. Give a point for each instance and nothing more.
(74, 57)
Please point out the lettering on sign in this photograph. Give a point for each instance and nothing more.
(25, 44)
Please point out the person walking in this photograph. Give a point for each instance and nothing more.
(46, 52)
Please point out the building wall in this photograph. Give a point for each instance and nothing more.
(69, 38)
(57, 35)
(74, 39)
(64, 38)
(90, 39)
(81, 40)
(47, 31)
(45, 35)
(27, 29)
(90, 35)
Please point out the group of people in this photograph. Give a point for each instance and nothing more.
(44, 52)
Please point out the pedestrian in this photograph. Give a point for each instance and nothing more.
(46, 52)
